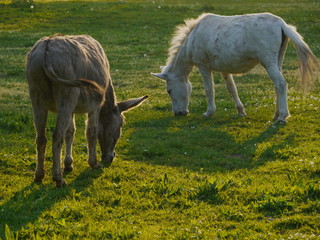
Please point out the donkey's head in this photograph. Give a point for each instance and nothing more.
(179, 90)
(110, 122)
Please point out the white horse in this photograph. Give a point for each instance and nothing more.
(232, 45)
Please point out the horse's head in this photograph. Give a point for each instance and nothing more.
(179, 91)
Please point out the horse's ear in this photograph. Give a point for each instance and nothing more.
(163, 76)
(131, 103)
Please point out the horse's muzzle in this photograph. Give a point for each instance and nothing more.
(181, 113)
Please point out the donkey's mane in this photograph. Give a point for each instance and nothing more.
(181, 33)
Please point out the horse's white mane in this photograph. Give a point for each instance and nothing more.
(181, 33)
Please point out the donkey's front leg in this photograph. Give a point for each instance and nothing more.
(232, 89)
(92, 136)
(209, 88)
(68, 160)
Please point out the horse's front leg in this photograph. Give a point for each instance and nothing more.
(232, 89)
(92, 136)
(68, 160)
(277, 111)
(282, 111)
(209, 88)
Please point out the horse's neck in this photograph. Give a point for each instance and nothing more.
(181, 65)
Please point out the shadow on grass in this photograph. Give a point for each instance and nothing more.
(197, 144)
(30, 202)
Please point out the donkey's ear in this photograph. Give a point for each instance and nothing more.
(131, 103)
(163, 76)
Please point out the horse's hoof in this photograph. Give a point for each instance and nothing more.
(281, 122)
(208, 114)
(243, 114)
(182, 113)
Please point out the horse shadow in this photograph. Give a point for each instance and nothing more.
(30, 202)
(196, 143)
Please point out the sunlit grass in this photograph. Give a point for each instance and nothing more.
(190, 177)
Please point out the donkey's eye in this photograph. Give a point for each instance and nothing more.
(169, 91)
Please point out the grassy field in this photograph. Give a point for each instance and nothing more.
(190, 177)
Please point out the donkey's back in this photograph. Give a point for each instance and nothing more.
(60, 61)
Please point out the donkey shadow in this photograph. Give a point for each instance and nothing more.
(195, 143)
(30, 202)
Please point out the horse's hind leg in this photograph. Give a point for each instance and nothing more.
(209, 88)
(282, 112)
(232, 89)
(68, 160)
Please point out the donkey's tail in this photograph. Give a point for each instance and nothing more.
(307, 60)
(81, 82)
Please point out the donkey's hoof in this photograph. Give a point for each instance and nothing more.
(96, 165)
(39, 175)
(68, 169)
(61, 183)
(107, 163)
(38, 180)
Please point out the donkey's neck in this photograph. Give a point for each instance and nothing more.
(180, 66)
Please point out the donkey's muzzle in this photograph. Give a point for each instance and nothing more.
(108, 159)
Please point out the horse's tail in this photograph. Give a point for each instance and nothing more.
(307, 60)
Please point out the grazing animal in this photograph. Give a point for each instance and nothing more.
(232, 45)
(68, 75)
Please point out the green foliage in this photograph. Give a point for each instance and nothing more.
(209, 192)
(274, 206)
(191, 177)
(22, 3)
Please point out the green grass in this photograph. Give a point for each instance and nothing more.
(191, 177)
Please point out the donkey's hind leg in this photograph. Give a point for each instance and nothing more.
(209, 88)
(68, 160)
(64, 117)
(40, 119)
(232, 89)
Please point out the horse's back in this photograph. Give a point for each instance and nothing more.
(236, 43)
